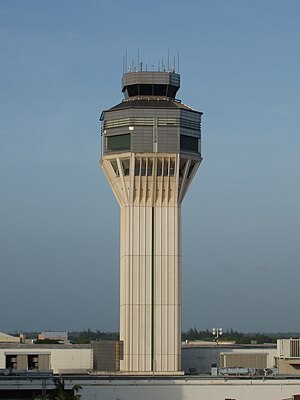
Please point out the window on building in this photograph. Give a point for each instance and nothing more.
(182, 167)
(33, 362)
(159, 167)
(132, 90)
(137, 167)
(143, 167)
(192, 165)
(150, 166)
(11, 361)
(165, 169)
(118, 142)
(160, 90)
(145, 90)
(115, 167)
(126, 166)
(172, 91)
(172, 167)
(189, 143)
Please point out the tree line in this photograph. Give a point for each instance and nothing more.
(192, 334)
(230, 334)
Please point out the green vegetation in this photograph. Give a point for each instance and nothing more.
(85, 337)
(238, 337)
(60, 393)
(46, 341)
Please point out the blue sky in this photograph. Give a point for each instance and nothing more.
(60, 66)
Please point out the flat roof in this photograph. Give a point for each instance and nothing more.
(43, 346)
(213, 345)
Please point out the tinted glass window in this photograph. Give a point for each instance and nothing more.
(188, 143)
(145, 90)
(160, 90)
(172, 91)
(119, 142)
(132, 90)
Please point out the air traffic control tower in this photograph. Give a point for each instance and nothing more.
(150, 154)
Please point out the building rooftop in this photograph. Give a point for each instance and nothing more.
(51, 334)
(202, 343)
(44, 346)
(145, 102)
(4, 338)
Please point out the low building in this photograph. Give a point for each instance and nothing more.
(288, 356)
(200, 356)
(54, 335)
(128, 387)
(75, 359)
(107, 355)
(5, 338)
(244, 360)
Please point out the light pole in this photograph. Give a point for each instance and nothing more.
(217, 332)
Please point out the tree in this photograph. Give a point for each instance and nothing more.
(60, 393)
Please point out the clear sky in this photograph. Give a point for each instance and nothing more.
(60, 66)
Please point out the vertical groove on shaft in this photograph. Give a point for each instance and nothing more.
(150, 194)
(152, 293)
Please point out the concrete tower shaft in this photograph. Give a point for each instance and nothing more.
(151, 152)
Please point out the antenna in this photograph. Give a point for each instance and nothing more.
(135, 64)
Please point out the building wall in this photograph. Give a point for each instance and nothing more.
(151, 151)
(61, 336)
(199, 360)
(270, 353)
(4, 338)
(152, 316)
(106, 355)
(243, 360)
(150, 189)
(71, 360)
(288, 348)
(65, 360)
(288, 361)
(190, 389)
(112, 388)
(288, 367)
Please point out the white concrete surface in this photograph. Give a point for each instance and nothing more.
(62, 360)
(150, 256)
